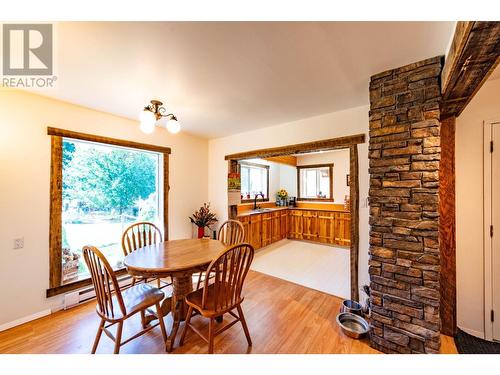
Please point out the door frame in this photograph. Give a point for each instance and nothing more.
(348, 142)
(487, 221)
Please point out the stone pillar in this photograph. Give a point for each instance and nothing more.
(404, 152)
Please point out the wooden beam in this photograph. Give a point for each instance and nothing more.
(111, 141)
(301, 148)
(462, 31)
(447, 242)
(55, 213)
(474, 54)
(354, 202)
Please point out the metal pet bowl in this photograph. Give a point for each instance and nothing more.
(353, 325)
(351, 306)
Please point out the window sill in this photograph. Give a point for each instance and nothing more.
(315, 199)
(251, 200)
(69, 287)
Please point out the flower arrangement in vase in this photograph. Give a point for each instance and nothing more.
(203, 218)
(282, 196)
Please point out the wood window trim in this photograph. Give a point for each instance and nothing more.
(310, 166)
(107, 140)
(55, 220)
(65, 288)
(267, 185)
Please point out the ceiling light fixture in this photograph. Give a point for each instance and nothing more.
(154, 112)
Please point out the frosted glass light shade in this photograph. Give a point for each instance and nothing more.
(148, 121)
(173, 126)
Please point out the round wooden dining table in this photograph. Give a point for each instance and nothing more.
(178, 259)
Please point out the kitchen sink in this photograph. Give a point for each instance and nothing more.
(262, 210)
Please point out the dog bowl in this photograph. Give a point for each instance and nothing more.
(353, 325)
(351, 307)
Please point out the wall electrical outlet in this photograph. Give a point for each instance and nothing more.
(18, 243)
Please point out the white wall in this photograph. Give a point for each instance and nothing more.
(24, 187)
(341, 166)
(332, 125)
(469, 205)
(288, 179)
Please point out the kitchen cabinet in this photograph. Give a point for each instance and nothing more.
(253, 228)
(334, 228)
(295, 224)
(267, 229)
(342, 229)
(309, 225)
(328, 227)
(255, 231)
(271, 227)
(283, 224)
(276, 226)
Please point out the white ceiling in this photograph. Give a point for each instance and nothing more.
(222, 78)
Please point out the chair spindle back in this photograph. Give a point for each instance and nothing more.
(140, 234)
(229, 270)
(104, 280)
(231, 233)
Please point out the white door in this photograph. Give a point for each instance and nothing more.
(495, 220)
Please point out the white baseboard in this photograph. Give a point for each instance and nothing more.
(472, 332)
(25, 319)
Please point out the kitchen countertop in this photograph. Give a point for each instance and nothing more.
(274, 209)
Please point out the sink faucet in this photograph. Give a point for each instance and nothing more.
(255, 199)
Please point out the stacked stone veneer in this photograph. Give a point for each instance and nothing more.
(404, 179)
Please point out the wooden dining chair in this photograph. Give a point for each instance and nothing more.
(139, 235)
(231, 232)
(223, 294)
(115, 306)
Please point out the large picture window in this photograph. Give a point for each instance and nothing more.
(105, 189)
(315, 182)
(100, 186)
(254, 181)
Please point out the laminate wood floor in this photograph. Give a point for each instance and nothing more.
(282, 317)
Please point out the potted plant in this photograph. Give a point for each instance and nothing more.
(203, 218)
(282, 196)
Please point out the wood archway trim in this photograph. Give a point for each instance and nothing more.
(301, 148)
(349, 142)
(473, 56)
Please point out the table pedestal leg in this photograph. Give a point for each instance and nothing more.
(182, 286)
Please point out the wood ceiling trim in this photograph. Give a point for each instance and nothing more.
(301, 148)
